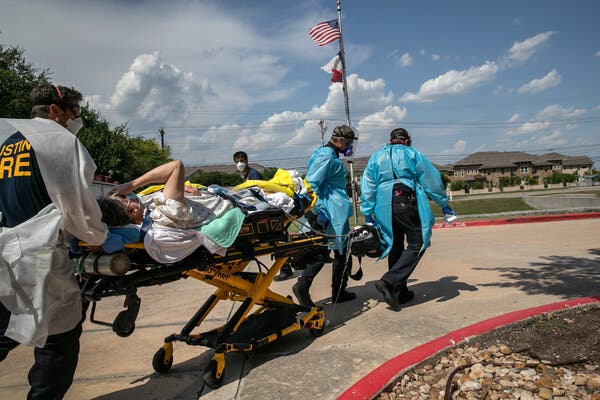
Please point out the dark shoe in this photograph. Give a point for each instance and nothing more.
(344, 296)
(389, 296)
(301, 292)
(405, 296)
(285, 273)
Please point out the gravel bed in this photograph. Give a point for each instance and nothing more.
(552, 356)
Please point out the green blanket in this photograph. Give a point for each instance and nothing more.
(224, 230)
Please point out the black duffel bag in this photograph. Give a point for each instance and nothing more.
(365, 240)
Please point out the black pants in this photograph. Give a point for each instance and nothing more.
(403, 261)
(52, 372)
(339, 276)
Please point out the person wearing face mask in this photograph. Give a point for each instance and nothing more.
(327, 176)
(240, 159)
(396, 186)
(45, 175)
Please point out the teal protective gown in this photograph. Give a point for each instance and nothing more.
(327, 176)
(413, 170)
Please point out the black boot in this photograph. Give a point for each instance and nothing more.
(284, 273)
(301, 291)
(343, 296)
(389, 295)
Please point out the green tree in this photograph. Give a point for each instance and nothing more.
(17, 78)
(215, 177)
(115, 152)
(112, 149)
(268, 173)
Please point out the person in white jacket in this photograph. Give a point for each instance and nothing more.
(45, 173)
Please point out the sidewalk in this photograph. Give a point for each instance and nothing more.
(468, 275)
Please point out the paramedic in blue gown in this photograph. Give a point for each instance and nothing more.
(45, 174)
(395, 187)
(327, 176)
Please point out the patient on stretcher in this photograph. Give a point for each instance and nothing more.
(176, 221)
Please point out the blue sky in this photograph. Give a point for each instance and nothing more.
(222, 76)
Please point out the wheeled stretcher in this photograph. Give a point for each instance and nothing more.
(263, 316)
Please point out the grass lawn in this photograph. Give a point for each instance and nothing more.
(485, 206)
(465, 207)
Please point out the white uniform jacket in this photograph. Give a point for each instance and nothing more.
(37, 282)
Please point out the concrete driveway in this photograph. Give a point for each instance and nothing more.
(468, 275)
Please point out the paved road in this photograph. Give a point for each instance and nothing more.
(470, 274)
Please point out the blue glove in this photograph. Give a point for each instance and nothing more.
(113, 243)
(322, 218)
(448, 211)
(369, 220)
(74, 246)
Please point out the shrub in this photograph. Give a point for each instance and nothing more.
(478, 185)
(458, 185)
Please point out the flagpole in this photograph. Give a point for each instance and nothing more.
(347, 109)
(343, 58)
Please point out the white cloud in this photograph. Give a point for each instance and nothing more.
(458, 148)
(453, 82)
(597, 54)
(293, 135)
(520, 52)
(540, 140)
(405, 60)
(514, 118)
(530, 127)
(373, 129)
(550, 80)
(545, 120)
(435, 57)
(556, 111)
(422, 52)
(153, 89)
(597, 108)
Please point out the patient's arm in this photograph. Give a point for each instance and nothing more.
(171, 174)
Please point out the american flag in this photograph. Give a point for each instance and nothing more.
(325, 32)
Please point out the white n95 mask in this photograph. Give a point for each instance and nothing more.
(74, 125)
(240, 166)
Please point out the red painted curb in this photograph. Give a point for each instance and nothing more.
(371, 384)
(517, 220)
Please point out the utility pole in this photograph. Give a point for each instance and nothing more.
(323, 130)
(162, 138)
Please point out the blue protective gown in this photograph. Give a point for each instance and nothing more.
(327, 176)
(413, 170)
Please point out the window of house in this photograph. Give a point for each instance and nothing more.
(524, 169)
(556, 166)
(471, 171)
(462, 172)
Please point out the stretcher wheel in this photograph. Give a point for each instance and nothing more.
(160, 363)
(210, 375)
(122, 325)
(316, 332)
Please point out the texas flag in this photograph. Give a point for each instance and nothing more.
(335, 68)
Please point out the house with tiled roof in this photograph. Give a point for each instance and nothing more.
(492, 165)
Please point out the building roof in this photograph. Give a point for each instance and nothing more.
(494, 159)
(577, 160)
(509, 159)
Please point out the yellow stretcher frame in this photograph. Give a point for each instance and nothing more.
(232, 283)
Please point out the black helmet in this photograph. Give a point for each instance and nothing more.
(344, 131)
